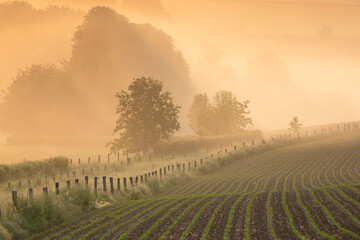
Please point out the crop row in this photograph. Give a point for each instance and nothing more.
(306, 191)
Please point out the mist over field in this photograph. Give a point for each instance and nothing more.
(164, 119)
(287, 58)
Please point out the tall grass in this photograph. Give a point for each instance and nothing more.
(49, 166)
(193, 144)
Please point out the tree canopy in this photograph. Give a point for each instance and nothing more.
(224, 115)
(38, 100)
(107, 52)
(146, 116)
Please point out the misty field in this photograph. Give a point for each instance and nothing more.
(307, 191)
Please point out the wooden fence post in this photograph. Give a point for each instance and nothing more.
(141, 179)
(87, 181)
(189, 165)
(111, 185)
(104, 183)
(57, 188)
(31, 193)
(202, 159)
(14, 197)
(164, 171)
(68, 184)
(95, 185)
(45, 191)
(195, 164)
(136, 180)
(118, 184)
(124, 182)
(131, 181)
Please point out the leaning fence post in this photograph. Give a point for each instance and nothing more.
(104, 183)
(14, 197)
(111, 185)
(57, 188)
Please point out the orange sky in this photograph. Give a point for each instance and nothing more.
(314, 45)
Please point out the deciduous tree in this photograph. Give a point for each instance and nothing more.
(146, 116)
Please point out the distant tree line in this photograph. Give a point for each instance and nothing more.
(77, 98)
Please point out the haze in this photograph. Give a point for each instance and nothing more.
(288, 58)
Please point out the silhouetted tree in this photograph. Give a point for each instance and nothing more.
(146, 116)
(295, 125)
(199, 113)
(224, 116)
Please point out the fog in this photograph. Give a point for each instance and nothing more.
(288, 58)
